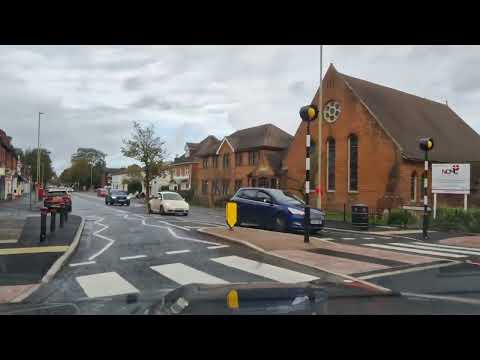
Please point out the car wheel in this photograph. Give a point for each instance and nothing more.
(280, 223)
(162, 212)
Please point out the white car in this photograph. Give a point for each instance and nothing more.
(168, 202)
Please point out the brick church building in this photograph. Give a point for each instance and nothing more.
(370, 150)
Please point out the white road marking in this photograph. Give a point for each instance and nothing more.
(133, 257)
(105, 284)
(347, 238)
(428, 247)
(396, 272)
(190, 239)
(217, 247)
(449, 246)
(418, 251)
(368, 238)
(9, 241)
(176, 252)
(265, 270)
(82, 263)
(183, 274)
(96, 233)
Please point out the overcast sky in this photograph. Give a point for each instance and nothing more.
(91, 94)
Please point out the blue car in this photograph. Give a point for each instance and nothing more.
(274, 209)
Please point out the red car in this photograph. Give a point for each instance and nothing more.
(57, 197)
(101, 192)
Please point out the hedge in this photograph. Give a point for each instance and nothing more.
(401, 217)
(458, 220)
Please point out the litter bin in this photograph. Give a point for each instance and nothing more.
(360, 216)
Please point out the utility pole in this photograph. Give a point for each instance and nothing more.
(320, 142)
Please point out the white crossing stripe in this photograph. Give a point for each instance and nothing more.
(176, 252)
(183, 274)
(450, 246)
(133, 257)
(265, 270)
(105, 284)
(82, 263)
(418, 251)
(428, 247)
(348, 238)
(368, 238)
(217, 247)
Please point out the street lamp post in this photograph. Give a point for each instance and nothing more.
(38, 154)
(320, 142)
(307, 113)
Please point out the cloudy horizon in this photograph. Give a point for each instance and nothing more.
(91, 94)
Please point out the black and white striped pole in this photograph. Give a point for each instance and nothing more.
(307, 113)
(426, 144)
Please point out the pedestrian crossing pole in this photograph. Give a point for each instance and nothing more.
(307, 113)
(426, 144)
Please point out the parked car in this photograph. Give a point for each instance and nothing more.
(274, 209)
(56, 197)
(117, 197)
(102, 192)
(169, 202)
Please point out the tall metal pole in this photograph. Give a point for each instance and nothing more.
(425, 198)
(320, 142)
(307, 187)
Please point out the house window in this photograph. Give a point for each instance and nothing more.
(215, 187)
(273, 183)
(215, 161)
(413, 187)
(353, 163)
(263, 182)
(226, 160)
(253, 158)
(331, 165)
(238, 159)
(226, 185)
(204, 187)
(238, 184)
(205, 163)
(187, 171)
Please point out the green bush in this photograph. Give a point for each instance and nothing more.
(401, 217)
(134, 186)
(186, 194)
(458, 220)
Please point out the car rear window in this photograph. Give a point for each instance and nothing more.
(171, 196)
(57, 193)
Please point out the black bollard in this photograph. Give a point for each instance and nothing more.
(52, 220)
(62, 214)
(66, 215)
(43, 224)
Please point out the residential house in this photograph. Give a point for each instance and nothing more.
(247, 157)
(118, 179)
(184, 168)
(370, 151)
(8, 167)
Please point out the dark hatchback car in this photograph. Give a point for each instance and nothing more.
(117, 197)
(274, 209)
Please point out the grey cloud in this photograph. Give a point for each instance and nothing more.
(152, 102)
(133, 83)
(297, 87)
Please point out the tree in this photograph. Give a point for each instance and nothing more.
(30, 161)
(146, 148)
(96, 164)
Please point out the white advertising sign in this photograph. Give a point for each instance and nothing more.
(2, 171)
(451, 178)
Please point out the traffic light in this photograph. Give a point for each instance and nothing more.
(426, 144)
(308, 113)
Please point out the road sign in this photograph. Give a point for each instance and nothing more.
(231, 214)
(451, 178)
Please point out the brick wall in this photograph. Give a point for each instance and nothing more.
(380, 166)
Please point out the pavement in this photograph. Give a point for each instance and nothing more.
(24, 260)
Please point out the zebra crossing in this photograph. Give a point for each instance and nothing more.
(436, 250)
(112, 284)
